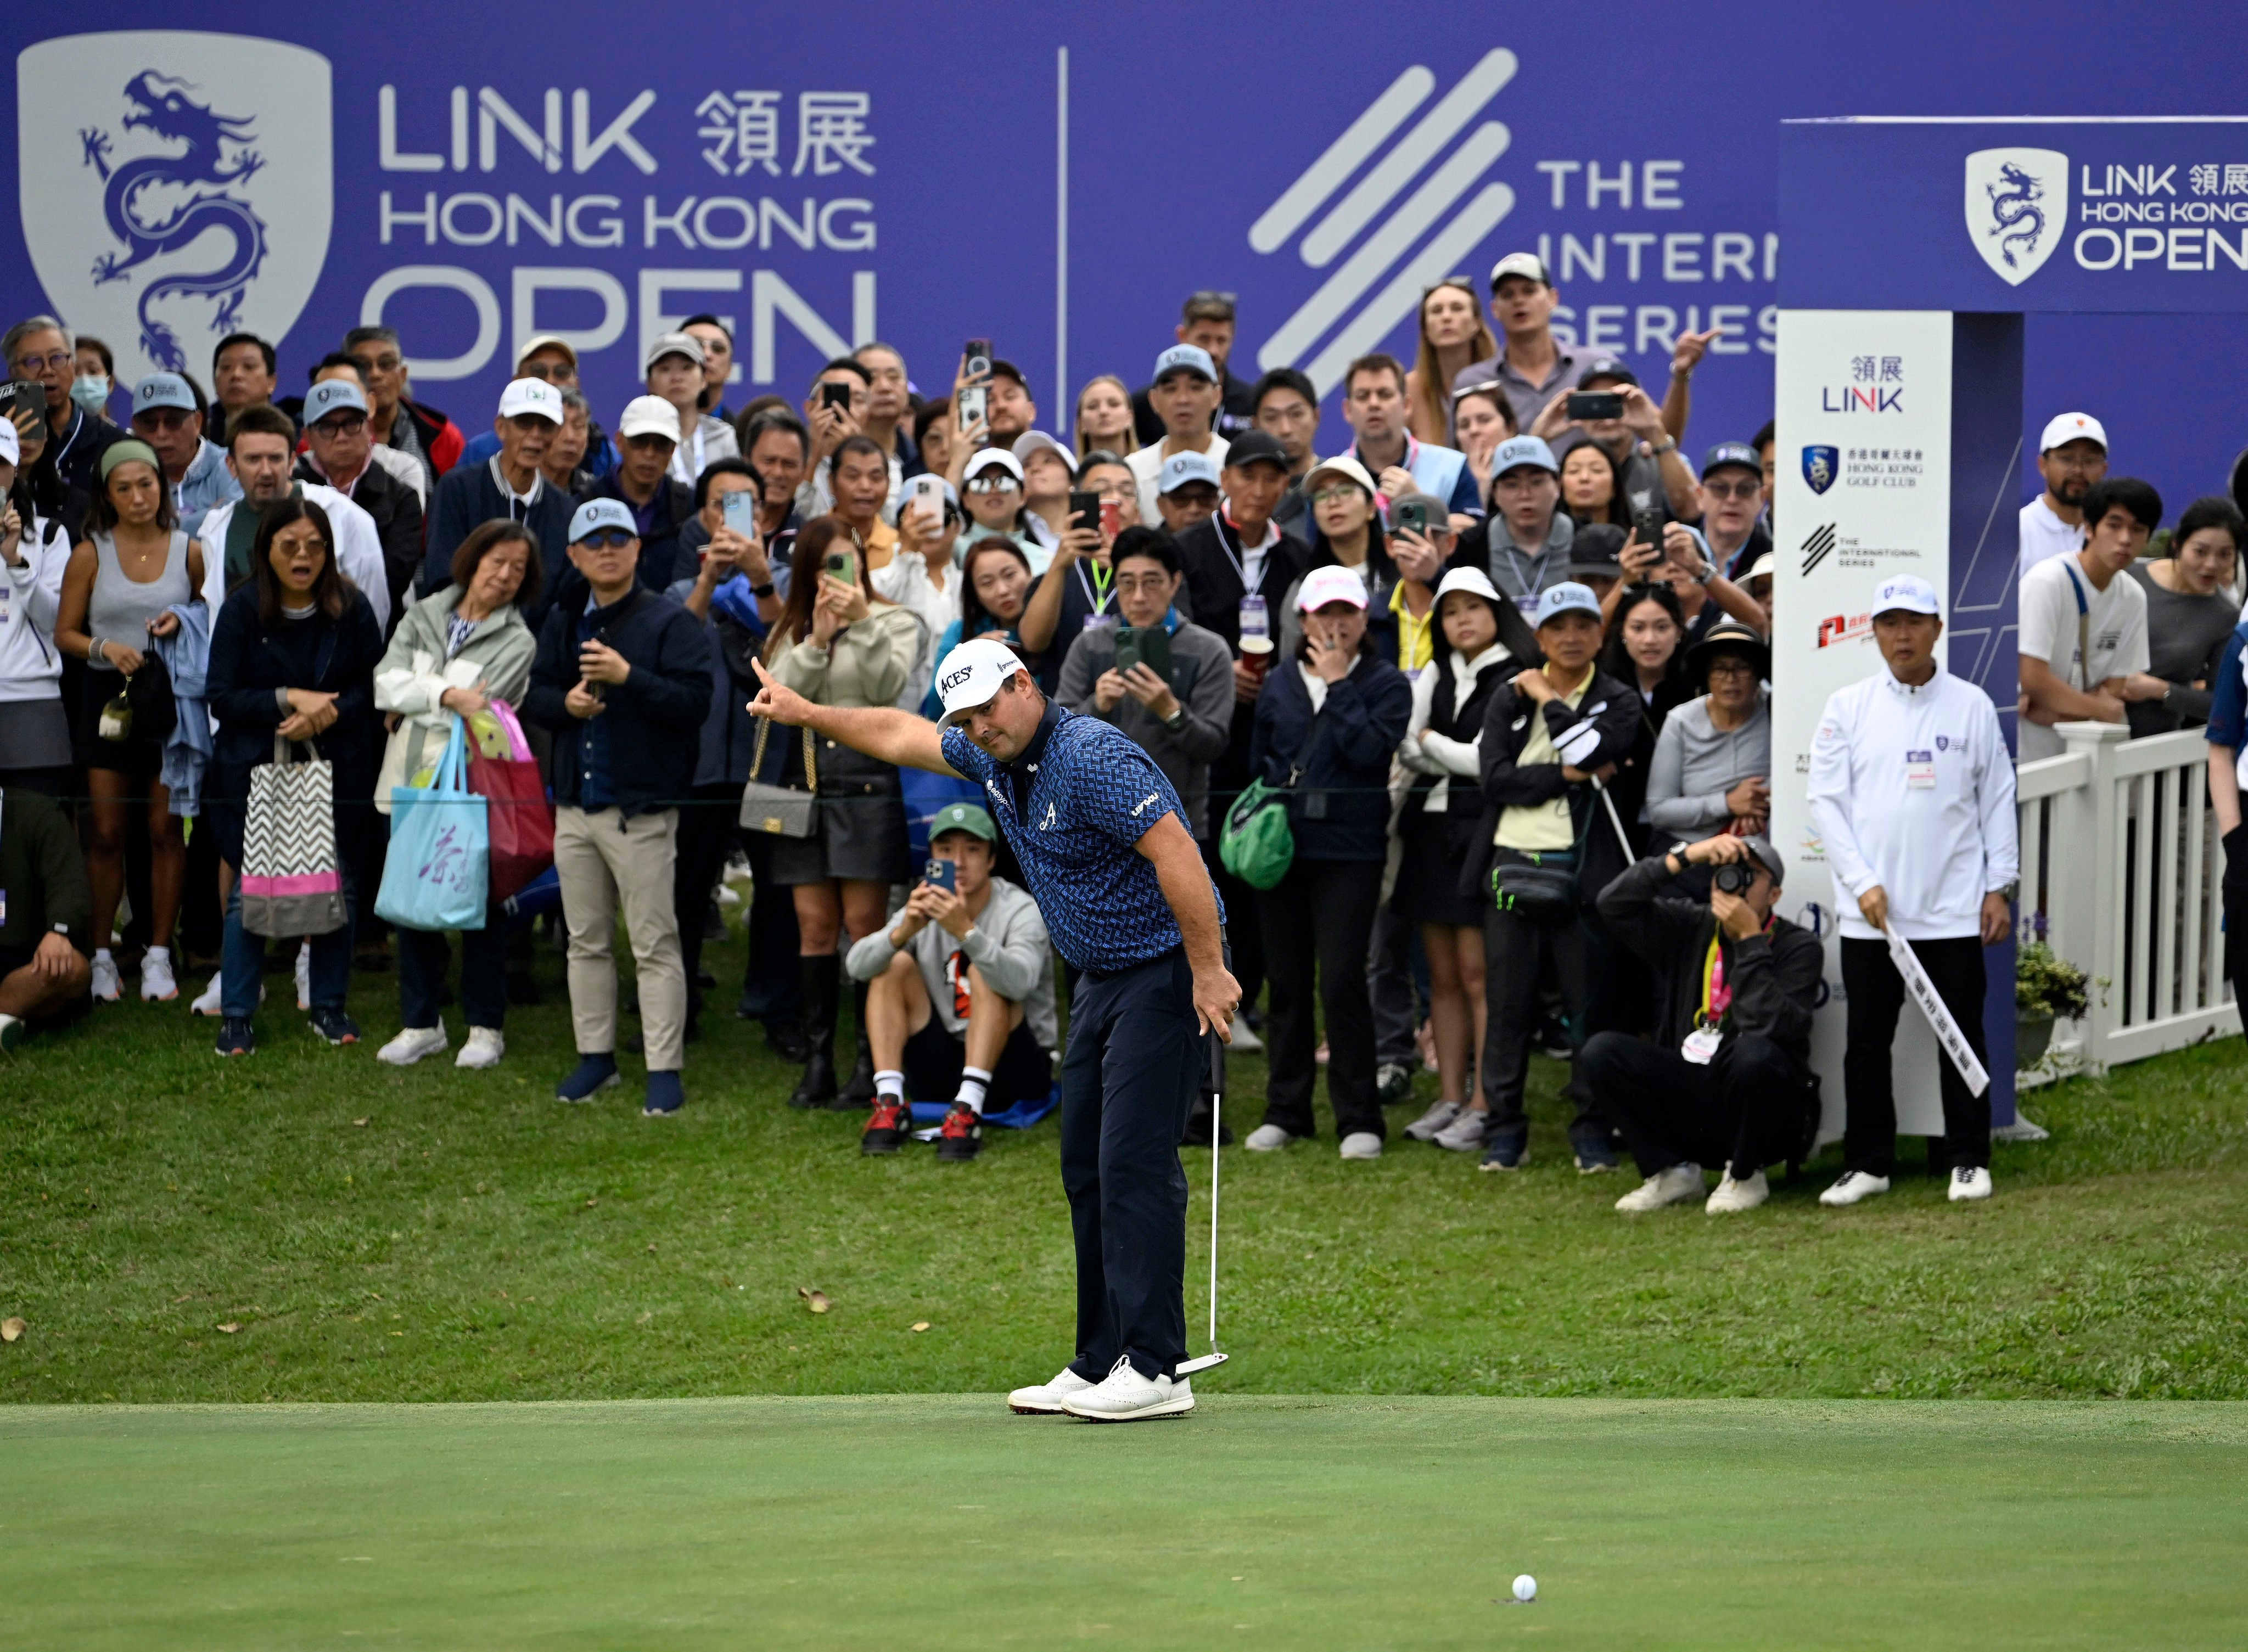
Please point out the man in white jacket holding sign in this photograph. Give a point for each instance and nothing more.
(1912, 793)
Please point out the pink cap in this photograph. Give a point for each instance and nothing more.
(1331, 584)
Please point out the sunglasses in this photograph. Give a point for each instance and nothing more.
(1210, 295)
(999, 483)
(1737, 490)
(1465, 283)
(612, 539)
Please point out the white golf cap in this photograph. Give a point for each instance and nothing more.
(649, 416)
(993, 459)
(1333, 583)
(1032, 441)
(2064, 427)
(1344, 466)
(531, 395)
(1528, 265)
(532, 345)
(1905, 590)
(1474, 581)
(973, 673)
(1761, 568)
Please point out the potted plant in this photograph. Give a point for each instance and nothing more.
(2045, 985)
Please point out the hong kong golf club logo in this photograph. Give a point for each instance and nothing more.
(175, 186)
(2016, 204)
(1820, 466)
(1383, 239)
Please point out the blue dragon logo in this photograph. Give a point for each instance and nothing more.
(162, 204)
(2015, 205)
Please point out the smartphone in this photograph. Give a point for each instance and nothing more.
(1149, 646)
(1646, 524)
(976, 354)
(973, 398)
(835, 396)
(943, 874)
(26, 396)
(741, 508)
(1083, 508)
(1595, 404)
(925, 497)
(1411, 516)
(1112, 519)
(839, 565)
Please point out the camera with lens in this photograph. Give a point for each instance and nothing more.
(1734, 877)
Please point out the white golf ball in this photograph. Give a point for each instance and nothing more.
(1526, 1588)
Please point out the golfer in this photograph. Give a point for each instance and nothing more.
(1104, 844)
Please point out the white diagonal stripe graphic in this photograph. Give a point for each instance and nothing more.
(1396, 301)
(1324, 175)
(1454, 110)
(1385, 246)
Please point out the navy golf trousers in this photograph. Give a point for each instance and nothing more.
(1129, 1079)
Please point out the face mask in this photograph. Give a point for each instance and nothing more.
(90, 391)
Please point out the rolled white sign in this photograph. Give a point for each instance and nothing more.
(1939, 1015)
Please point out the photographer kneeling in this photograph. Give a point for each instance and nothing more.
(1726, 1077)
(959, 993)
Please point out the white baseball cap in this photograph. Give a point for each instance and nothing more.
(1474, 581)
(2064, 427)
(973, 673)
(1333, 583)
(532, 396)
(1342, 465)
(1032, 441)
(537, 342)
(1905, 590)
(993, 459)
(649, 416)
(671, 344)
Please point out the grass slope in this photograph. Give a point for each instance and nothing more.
(432, 1235)
(943, 1522)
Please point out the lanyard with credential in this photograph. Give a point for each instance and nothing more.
(1104, 575)
(2083, 630)
(1240, 571)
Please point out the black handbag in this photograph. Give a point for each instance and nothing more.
(1537, 884)
(149, 691)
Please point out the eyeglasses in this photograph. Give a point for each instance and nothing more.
(1152, 584)
(161, 419)
(1338, 493)
(350, 425)
(1737, 490)
(614, 539)
(390, 363)
(1727, 668)
(59, 361)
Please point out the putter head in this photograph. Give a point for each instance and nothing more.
(1187, 1367)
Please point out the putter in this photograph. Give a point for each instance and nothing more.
(1187, 1367)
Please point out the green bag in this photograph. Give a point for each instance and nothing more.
(1256, 846)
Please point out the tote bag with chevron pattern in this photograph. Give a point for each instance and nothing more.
(292, 881)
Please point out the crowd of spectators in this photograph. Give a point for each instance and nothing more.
(1504, 659)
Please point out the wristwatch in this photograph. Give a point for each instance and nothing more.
(764, 590)
(1708, 572)
(1670, 445)
(1177, 721)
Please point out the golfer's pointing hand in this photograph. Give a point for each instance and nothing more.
(781, 704)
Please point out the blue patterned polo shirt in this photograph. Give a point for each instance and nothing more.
(1088, 796)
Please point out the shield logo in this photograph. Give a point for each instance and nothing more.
(1820, 467)
(176, 187)
(2017, 205)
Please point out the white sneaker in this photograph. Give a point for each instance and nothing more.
(1424, 1128)
(1465, 1133)
(1267, 1138)
(1732, 1197)
(1854, 1185)
(483, 1049)
(1361, 1144)
(1970, 1181)
(411, 1044)
(157, 985)
(1044, 1399)
(1126, 1396)
(1245, 1041)
(211, 999)
(106, 987)
(304, 975)
(1674, 1186)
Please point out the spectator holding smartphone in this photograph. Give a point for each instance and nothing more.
(41, 349)
(959, 994)
(1049, 473)
(837, 644)
(835, 410)
(35, 731)
(1650, 472)
(2191, 614)
(1077, 590)
(921, 577)
(1327, 726)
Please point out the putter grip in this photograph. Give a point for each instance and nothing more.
(1216, 1064)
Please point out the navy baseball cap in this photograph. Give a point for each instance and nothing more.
(1737, 453)
(1606, 368)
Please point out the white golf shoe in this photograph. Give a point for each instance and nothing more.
(157, 985)
(411, 1044)
(1044, 1399)
(208, 1001)
(1854, 1185)
(1674, 1186)
(1126, 1396)
(1438, 1116)
(1465, 1133)
(107, 984)
(1732, 1197)
(483, 1049)
(1267, 1138)
(1969, 1181)
(1361, 1144)
(305, 974)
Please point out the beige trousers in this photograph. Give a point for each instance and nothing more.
(600, 859)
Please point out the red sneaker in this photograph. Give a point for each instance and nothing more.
(886, 1125)
(961, 1137)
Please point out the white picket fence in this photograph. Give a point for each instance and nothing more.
(2121, 873)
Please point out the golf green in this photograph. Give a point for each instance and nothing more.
(926, 1521)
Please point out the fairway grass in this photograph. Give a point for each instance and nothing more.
(894, 1521)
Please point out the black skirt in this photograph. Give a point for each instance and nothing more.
(136, 756)
(1434, 847)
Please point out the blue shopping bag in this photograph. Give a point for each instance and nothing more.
(436, 875)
